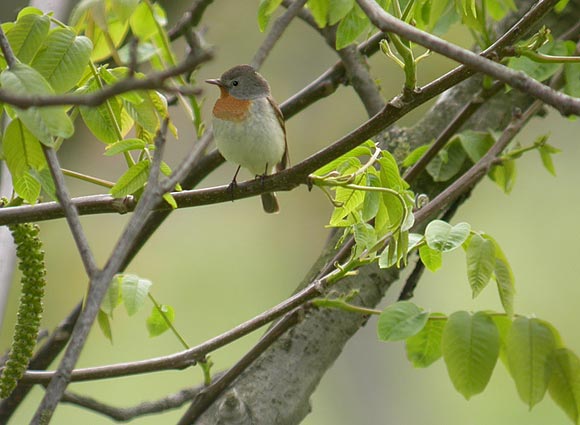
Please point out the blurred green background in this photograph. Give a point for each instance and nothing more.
(221, 265)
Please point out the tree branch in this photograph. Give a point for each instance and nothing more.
(567, 105)
(275, 33)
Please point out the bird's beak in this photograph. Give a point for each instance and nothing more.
(215, 81)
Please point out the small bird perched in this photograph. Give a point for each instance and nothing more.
(249, 127)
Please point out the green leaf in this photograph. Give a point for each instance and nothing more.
(133, 180)
(363, 149)
(168, 197)
(470, 348)
(105, 325)
(63, 59)
(414, 156)
(46, 122)
(27, 35)
(443, 237)
(364, 236)
(319, 9)
(351, 27)
(401, 320)
(144, 24)
(143, 113)
(125, 145)
(448, 162)
(338, 9)
(124, 8)
(27, 187)
(546, 156)
(101, 120)
(157, 323)
(530, 346)
(431, 258)
(46, 182)
(424, 348)
(22, 151)
(504, 277)
(476, 143)
(480, 256)
(265, 10)
(504, 175)
(564, 386)
(498, 9)
(113, 296)
(372, 198)
(134, 291)
(503, 325)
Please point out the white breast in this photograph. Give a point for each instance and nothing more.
(257, 143)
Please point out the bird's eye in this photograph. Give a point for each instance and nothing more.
(235, 83)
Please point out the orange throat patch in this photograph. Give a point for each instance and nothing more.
(231, 109)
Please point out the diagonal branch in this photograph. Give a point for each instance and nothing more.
(567, 105)
(275, 33)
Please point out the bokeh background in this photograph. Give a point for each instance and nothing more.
(221, 265)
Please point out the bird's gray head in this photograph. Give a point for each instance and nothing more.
(242, 82)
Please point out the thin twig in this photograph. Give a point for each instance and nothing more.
(125, 414)
(7, 50)
(208, 395)
(275, 33)
(70, 211)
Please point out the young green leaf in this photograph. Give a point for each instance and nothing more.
(105, 325)
(443, 237)
(102, 120)
(372, 198)
(480, 256)
(27, 187)
(113, 296)
(504, 277)
(470, 348)
(125, 145)
(157, 322)
(364, 236)
(265, 10)
(476, 143)
(431, 258)
(424, 348)
(319, 10)
(530, 346)
(504, 175)
(400, 321)
(564, 386)
(415, 155)
(133, 180)
(350, 28)
(448, 162)
(134, 291)
(546, 153)
(45, 123)
(22, 151)
(63, 58)
(27, 34)
(503, 324)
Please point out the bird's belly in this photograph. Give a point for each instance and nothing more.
(257, 143)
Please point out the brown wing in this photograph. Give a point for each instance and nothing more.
(285, 159)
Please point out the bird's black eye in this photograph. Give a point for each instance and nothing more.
(235, 83)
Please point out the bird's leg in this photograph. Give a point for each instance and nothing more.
(232, 186)
(263, 176)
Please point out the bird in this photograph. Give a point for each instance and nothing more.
(249, 128)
